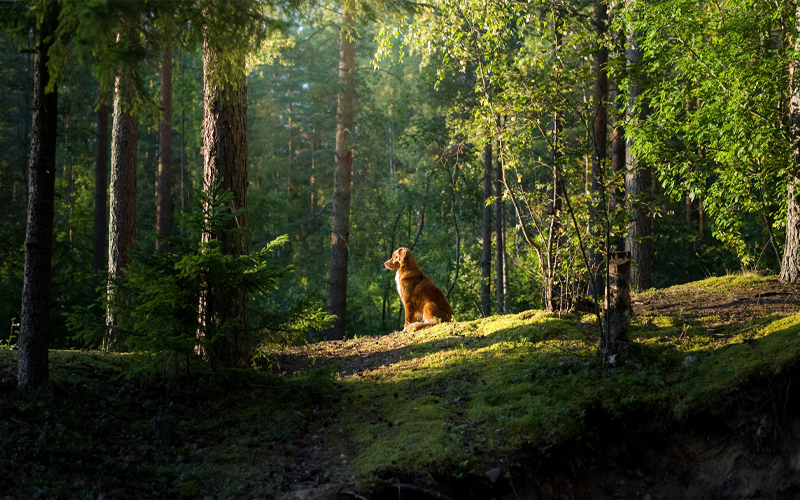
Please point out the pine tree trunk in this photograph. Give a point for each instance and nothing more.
(33, 371)
(100, 192)
(225, 162)
(122, 189)
(500, 247)
(340, 208)
(638, 181)
(600, 136)
(486, 253)
(164, 176)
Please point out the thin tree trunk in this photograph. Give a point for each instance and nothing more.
(33, 371)
(340, 208)
(486, 253)
(790, 265)
(164, 179)
(638, 179)
(100, 191)
(501, 244)
(122, 189)
(453, 181)
(225, 163)
(600, 134)
(618, 143)
(552, 292)
(618, 305)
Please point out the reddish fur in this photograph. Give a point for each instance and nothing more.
(425, 304)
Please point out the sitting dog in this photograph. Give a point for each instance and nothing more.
(425, 304)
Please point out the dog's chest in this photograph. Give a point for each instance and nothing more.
(399, 288)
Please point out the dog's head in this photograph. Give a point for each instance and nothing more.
(400, 258)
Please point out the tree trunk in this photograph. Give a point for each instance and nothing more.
(618, 305)
(638, 179)
(618, 144)
(225, 163)
(790, 264)
(552, 292)
(164, 178)
(600, 136)
(122, 189)
(33, 371)
(340, 208)
(486, 254)
(500, 237)
(100, 191)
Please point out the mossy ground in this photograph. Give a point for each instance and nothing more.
(450, 401)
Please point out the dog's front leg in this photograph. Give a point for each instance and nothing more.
(410, 314)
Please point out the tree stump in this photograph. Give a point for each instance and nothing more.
(161, 429)
(618, 305)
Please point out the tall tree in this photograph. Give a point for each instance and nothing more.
(99, 256)
(33, 372)
(638, 176)
(790, 266)
(600, 132)
(340, 208)
(618, 142)
(225, 165)
(486, 254)
(164, 177)
(122, 188)
(500, 248)
(552, 290)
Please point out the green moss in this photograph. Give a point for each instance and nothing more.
(457, 395)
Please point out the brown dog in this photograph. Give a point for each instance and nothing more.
(421, 299)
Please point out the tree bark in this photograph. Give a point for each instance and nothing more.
(552, 290)
(618, 304)
(500, 247)
(225, 163)
(486, 253)
(600, 135)
(790, 264)
(100, 191)
(638, 179)
(164, 178)
(122, 189)
(340, 208)
(33, 371)
(618, 143)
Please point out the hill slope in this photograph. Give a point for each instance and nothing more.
(511, 405)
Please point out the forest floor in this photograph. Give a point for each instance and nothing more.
(513, 406)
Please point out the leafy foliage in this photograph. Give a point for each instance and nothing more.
(156, 303)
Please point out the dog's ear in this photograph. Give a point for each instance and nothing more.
(403, 253)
